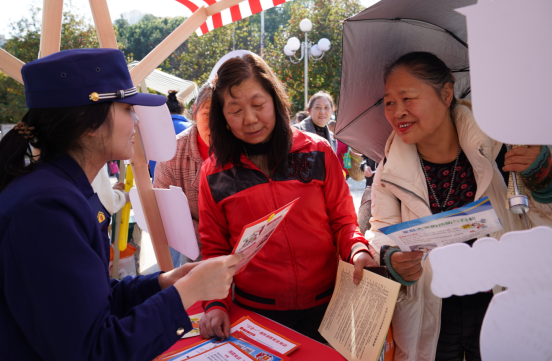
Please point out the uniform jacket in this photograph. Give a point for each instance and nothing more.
(183, 171)
(307, 126)
(399, 194)
(56, 299)
(297, 267)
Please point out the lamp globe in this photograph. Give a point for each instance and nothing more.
(305, 25)
(294, 44)
(324, 44)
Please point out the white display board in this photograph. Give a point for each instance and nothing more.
(518, 322)
(510, 52)
(230, 55)
(157, 132)
(176, 217)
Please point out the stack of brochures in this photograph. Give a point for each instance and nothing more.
(248, 340)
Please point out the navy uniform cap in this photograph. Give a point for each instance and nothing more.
(82, 77)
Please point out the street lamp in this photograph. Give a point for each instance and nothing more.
(308, 50)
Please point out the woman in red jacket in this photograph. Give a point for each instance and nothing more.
(259, 164)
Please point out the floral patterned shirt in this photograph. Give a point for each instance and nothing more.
(440, 178)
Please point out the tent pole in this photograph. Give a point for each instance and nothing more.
(262, 34)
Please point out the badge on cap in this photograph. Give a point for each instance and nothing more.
(119, 94)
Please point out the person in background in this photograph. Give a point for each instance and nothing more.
(177, 108)
(368, 168)
(259, 164)
(180, 123)
(113, 197)
(57, 301)
(113, 169)
(341, 148)
(341, 151)
(300, 116)
(331, 125)
(438, 159)
(192, 149)
(320, 109)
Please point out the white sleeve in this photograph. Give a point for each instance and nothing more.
(113, 200)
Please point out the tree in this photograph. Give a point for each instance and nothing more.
(275, 20)
(326, 17)
(141, 38)
(76, 32)
(202, 53)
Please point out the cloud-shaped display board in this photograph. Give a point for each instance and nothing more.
(518, 322)
(157, 132)
(230, 55)
(510, 52)
(176, 218)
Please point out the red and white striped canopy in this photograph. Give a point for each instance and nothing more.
(237, 12)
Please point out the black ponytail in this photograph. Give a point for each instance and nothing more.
(174, 104)
(57, 131)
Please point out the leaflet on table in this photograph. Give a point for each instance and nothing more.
(264, 335)
(256, 350)
(255, 235)
(471, 221)
(224, 352)
(194, 319)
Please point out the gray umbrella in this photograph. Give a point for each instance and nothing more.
(376, 37)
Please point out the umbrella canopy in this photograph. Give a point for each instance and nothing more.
(374, 39)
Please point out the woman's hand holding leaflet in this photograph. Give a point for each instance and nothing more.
(408, 265)
(169, 278)
(204, 281)
(361, 260)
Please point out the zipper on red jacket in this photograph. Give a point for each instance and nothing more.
(271, 184)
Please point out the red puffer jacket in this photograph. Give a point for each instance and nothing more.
(297, 267)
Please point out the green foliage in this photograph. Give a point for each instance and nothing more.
(12, 100)
(275, 20)
(326, 17)
(76, 32)
(141, 38)
(202, 53)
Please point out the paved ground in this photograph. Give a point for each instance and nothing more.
(148, 263)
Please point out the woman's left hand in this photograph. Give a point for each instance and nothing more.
(520, 158)
(361, 260)
(168, 279)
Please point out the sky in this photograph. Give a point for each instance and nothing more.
(13, 10)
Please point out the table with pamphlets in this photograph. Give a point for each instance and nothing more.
(308, 349)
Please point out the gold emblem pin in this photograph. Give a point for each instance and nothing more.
(94, 97)
(101, 217)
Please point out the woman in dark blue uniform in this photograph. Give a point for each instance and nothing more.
(57, 301)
